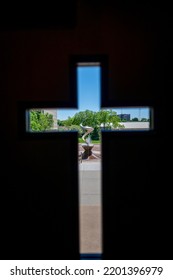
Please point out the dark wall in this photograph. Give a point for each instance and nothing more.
(35, 67)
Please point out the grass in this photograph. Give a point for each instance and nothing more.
(80, 140)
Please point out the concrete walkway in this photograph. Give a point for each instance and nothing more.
(90, 206)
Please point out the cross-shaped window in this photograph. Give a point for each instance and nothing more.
(90, 166)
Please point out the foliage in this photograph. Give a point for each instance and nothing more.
(40, 121)
(60, 123)
(104, 118)
(95, 135)
(101, 119)
(95, 119)
(68, 122)
(86, 117)
(144, 120)
(135, 120)
(80, 140)
(76, 128)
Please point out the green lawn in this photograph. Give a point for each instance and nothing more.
(80, 140)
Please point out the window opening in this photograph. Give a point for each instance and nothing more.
(89, 120)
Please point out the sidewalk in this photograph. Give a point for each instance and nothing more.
(90, 206)
(94, 164)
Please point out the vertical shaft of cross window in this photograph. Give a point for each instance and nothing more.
(88, 85)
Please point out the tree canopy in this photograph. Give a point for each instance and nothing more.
(102, 118)
(40, 121)
(97, 120)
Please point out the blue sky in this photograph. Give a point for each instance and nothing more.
(88, 83)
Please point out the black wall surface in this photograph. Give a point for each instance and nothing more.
(39, 186)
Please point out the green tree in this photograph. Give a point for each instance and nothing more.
(95, 135)
(144, 120)
(109, 119)
(86, 117)
(60, 123)
(76, 128)
(103, 117)
(68, 122)
(135, 120)
(40, 121)
(115, 120)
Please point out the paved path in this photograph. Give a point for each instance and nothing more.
(90, 206)
(90, 183)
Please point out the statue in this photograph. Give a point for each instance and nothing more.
(87, 146)
(88, 130)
